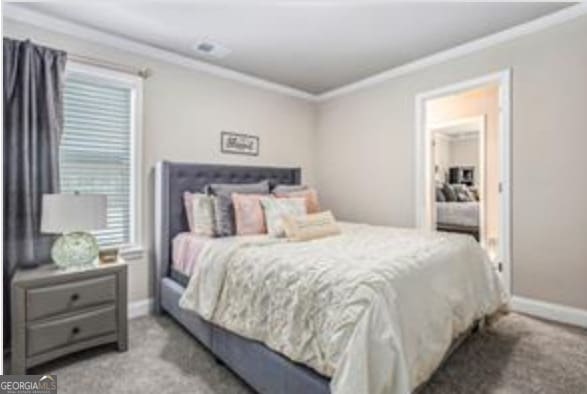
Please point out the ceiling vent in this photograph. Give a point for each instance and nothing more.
(211, 49)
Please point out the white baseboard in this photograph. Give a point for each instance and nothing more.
(549, 311)
(140, 308)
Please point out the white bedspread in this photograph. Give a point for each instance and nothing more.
(375, 308)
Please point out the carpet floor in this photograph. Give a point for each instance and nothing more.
(517, 355)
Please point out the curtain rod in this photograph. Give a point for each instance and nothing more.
(141, 72)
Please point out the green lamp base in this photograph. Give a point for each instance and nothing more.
(75, 249)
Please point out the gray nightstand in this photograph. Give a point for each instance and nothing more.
(56, 312)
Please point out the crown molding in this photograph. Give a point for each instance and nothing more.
(533, 26)
(20, 14)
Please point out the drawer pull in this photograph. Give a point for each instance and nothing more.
(75, 297)
(75, 330)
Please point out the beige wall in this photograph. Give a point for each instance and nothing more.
(454, 153)
(483, 101)
(184, 112)
(365, 155)
(465, 152)
(442, 156)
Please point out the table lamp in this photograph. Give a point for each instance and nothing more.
(72, 215)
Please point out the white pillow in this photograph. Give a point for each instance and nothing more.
(200, 213)
(308, 227)
(277, 208)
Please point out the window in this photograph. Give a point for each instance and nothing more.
(99, 146)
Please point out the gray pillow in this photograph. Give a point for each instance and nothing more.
(289, 188)
(463, 194)
(449, 193)
(224, 209)
(440, 197)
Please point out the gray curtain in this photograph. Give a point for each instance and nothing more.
(33, 122)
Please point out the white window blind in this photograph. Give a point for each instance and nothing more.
(95, 151)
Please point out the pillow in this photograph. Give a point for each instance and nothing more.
(199, 210)
(449, 193)
(248, 214)
(309, 194)
(440, 197)
(462, 193)
(277, 208)
(305, 228)
(289, 188)
(224, 209)
(474, 193)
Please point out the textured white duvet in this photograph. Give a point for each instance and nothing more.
(375, 308)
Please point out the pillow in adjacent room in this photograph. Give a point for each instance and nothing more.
(200, 213)
(277, 208)
(224, 209)
(474, 193)
(248, 214)
(440, 197)
(308, 227)
(449, 193)
(308, 194)
(463, 194)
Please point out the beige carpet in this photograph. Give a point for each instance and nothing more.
(517, 355)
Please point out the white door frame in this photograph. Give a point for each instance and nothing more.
(423, 194)
(481, 123)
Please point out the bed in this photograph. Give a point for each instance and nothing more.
(458, 217)
(259, 360)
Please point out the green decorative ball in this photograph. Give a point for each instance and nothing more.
(75, 249)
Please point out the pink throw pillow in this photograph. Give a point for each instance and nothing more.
(248, 214)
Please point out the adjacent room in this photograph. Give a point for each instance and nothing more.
(284, 197)
(467, 138)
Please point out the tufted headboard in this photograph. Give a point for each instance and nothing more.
(173, 179)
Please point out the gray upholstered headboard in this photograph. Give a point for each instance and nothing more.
(173, 179)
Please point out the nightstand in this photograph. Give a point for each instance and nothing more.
(56, 312)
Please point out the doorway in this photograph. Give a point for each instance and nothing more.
(459, 165)
(463, 163)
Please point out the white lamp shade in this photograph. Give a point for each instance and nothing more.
(65, 213)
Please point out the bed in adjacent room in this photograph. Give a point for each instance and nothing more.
(457, 210)
(372, 309)
(458, 217)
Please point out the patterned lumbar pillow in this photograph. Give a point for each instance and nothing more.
(277, 208)
(200, 213)
(308, 227)
(307, 193)
(224, 209)
(248, 214)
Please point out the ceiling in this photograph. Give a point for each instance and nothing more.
(313, 46)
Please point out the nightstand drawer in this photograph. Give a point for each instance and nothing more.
(51, 300)
(52, 334)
